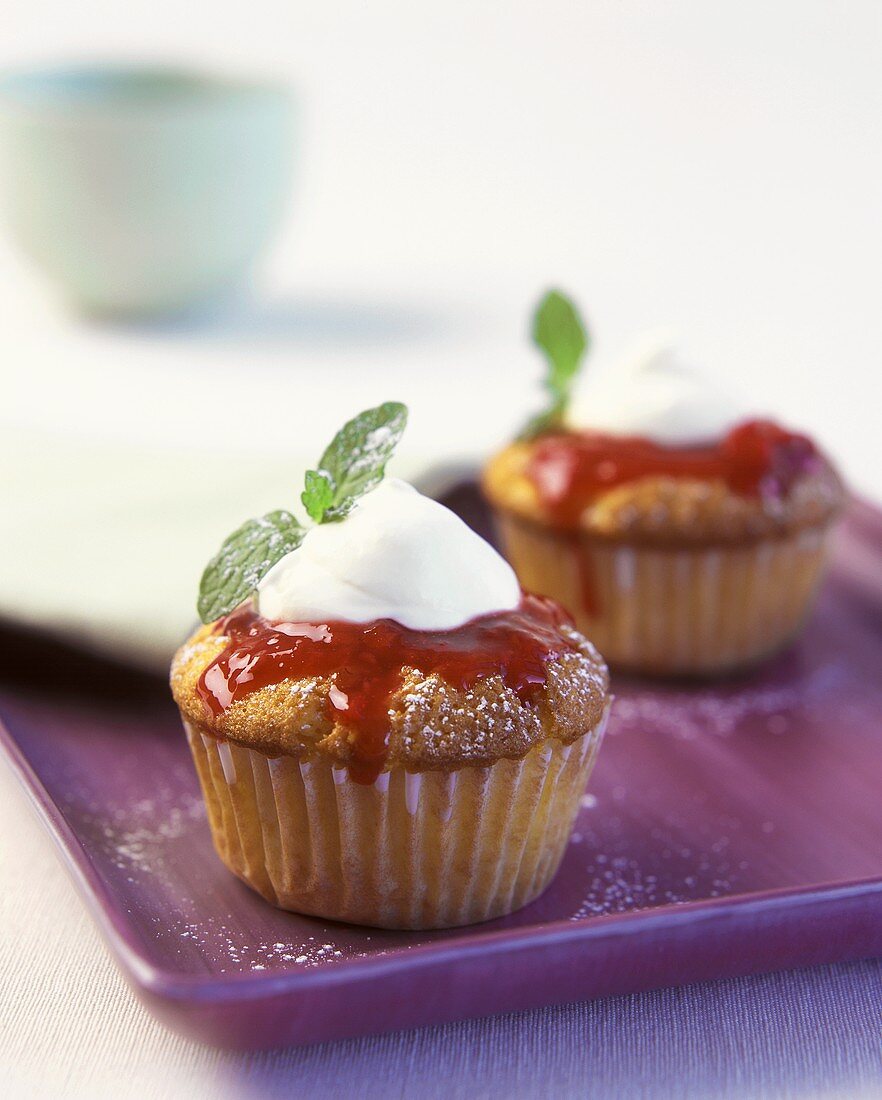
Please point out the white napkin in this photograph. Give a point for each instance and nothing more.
(103, 544)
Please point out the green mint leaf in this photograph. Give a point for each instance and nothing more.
(318, 494)
(544, 421)
(244, 560)
(356, 458)
(560, 332)
(353, 463)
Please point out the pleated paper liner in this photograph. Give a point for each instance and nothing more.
(673, 611)
(413, 850)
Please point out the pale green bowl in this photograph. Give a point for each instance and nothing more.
(142, 191)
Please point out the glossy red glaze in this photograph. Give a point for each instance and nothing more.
(366, 659)
(757, 458)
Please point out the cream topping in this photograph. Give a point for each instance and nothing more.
(654, 394)
(397, 555)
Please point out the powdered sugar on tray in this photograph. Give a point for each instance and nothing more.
(720, 711)
(160, 844)
(238, 953)
(140, 847)
(621, 874)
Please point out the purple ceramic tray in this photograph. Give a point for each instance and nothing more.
(728, 829)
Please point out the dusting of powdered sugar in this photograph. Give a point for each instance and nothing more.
(618, 886)
(690, 714)
(136, 836)
(239, 951)
(634, 849)
(441, 722)
(157, 844)
(436, 723)
(194, 648)
(621, 873)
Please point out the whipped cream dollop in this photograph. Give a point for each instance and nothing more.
(655, 395)
(397, 555)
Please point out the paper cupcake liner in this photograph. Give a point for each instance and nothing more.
(673, 611)
(414, 850)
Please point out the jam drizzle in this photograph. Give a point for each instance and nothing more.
(365, 660)
(756, 458)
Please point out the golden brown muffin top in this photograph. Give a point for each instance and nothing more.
(661, 511)
(432, 724)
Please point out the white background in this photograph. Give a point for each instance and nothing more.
(711, 166)
(714, 167)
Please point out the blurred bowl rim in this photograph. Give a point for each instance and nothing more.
(134, 89)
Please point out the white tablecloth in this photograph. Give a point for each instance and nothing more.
(714, 167)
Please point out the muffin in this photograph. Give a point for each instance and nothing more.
(684, 536)
(386, 729)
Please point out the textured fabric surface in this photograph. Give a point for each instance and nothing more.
(71, 1027)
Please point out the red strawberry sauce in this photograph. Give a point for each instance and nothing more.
(366, 659)
(756, 458)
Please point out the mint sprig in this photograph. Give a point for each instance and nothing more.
(353, 463)
(561, 334)
(318, 495)
(243, 561)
